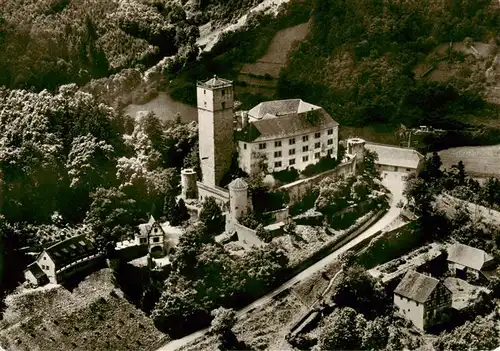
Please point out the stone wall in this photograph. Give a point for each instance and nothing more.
(277, 216)
(299, 188)
(246, 235)
(219, 194)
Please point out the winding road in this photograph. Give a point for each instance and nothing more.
(392, 181)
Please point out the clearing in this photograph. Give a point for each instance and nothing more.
(94, 316)
(478, 160)
(276, 56)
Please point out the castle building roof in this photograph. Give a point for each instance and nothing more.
(396, 156)
(468, 256)
(284, 118)
(416, 286)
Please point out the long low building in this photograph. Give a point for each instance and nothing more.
(396, 159)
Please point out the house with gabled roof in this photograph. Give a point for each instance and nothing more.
(63, 259)
(466, 260)
(34, 274)
(286, 133)
(396, 159)
(420, 298)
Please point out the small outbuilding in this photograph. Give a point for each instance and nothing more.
(464, 260)
(34, 275)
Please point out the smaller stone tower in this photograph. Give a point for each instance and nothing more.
(238, 198)
(188, 184)
(356, 147)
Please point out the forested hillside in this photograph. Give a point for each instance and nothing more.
(358, 61)
(46, 43)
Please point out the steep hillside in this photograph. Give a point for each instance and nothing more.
(94, 316)
(360, 58)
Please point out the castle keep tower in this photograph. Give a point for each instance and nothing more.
(215, 127)
(356, 147)
(238, 198)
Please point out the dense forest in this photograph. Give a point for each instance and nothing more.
(360, 58)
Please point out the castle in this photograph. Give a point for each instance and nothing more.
(273, 135)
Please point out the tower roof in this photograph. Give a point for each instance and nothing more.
(238, 184)
(215, 82)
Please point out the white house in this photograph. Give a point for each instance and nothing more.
(420, 298)
(63, 259)
(286, 133)
(465, 260)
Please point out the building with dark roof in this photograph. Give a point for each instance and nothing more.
(420, 298)
(63, 259)
(286, 133)
(466, 260)
(34, 274)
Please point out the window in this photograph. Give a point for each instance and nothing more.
(305, 148)
(317, 135)
(305, 158)
(204, 91)
(330, 131)
(262, 146)
(155, 230)
(330, 151)
(317, 145)
(277, 154)
(277, 143)
(408, 170)
(316, 155)
(244, 146)
(44, 257)
(291, 141)
(277, 164)
(291, 152)
(142, 240)
(291, 162)
(330, 142)
(156, 240)
(205, 104)
(223, 105)
(223, 92)
(305, 138)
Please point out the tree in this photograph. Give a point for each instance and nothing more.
(339, 331)
(290, 226)
(375, 335)
(359, 290)
(111, 216)
(480, 334)
(370, 164)
(182, 211)
(211, 215)
(263, 234)
(223, 321)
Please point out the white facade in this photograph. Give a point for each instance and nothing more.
(412, 310)
(296, 150)
(48, 266)
(238, 198)
(215, 125)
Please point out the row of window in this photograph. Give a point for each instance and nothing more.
(291, 161)
(45, 267)
(305, 148)
(144, 240)
(291, 141)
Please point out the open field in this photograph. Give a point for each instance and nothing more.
(478, 160)
(277, 54)
(95, 316)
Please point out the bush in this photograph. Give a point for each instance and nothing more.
(325, 164)
(285, 176)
